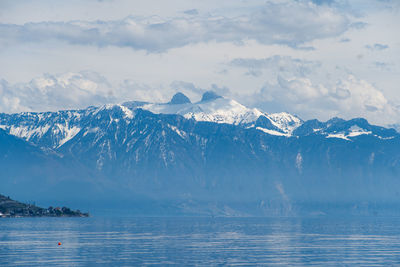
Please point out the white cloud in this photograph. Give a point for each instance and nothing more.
(349, 98)
(8, 101)
(289, 23)
(54, 92)
(132, 90)
(377, 47)
(313, 89)
(282, 65)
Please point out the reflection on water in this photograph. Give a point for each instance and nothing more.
(199, 241)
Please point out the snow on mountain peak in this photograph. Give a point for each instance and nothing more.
(222, 110)
(215, 108)
(127, 112)
(285, 121)
(353, 131)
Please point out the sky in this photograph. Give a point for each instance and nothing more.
(315, 59)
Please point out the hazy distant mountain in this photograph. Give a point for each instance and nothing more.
(215, 156)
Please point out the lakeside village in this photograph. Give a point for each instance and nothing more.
(11, 208)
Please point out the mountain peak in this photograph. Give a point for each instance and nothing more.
(210, 95)
(179, 98)
(335, 120)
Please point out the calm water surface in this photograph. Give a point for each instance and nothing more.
(199, 241)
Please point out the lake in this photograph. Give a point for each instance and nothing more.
(118, 241)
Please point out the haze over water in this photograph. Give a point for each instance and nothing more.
(181, 241)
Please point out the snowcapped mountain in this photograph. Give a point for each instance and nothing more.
(181, 155)
(50, 129)
(346, 130)
(53, 129)
(214, 108)
(56, 128)
(218, 110)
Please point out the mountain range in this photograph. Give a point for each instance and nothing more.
(212, 157)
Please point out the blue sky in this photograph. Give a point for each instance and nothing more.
(316, 59)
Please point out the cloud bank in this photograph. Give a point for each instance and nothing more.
(52, 92)
(292, 24)
(276, 64)
(55, 92)
(349, 97)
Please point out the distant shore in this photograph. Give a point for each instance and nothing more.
(10, 208)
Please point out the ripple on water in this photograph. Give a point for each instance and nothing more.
(199, 241)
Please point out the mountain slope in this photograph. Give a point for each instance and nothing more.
(215, 161)
(33, 173)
